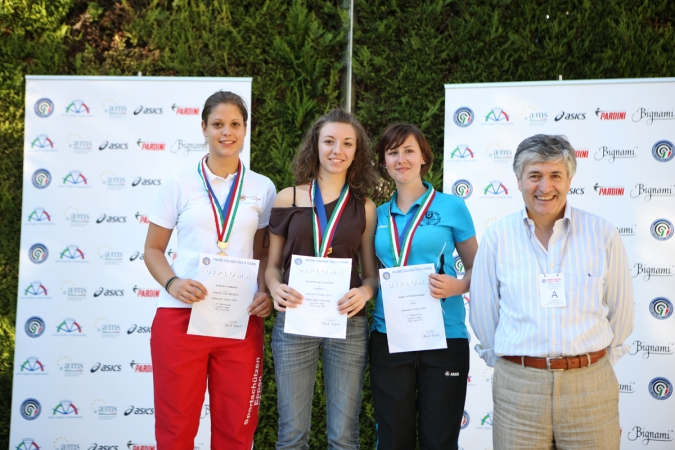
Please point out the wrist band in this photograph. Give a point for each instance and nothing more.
(168, 283)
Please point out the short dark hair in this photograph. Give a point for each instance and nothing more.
(394, 136)
(226, 97)
(545, 148)
(361, 177)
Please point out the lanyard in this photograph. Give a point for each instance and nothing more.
(400, 244)
(223, 216)
(323, 229)
(562, 253)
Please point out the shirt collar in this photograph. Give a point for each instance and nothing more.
(396, 210)
(564, 221)
(211, 176)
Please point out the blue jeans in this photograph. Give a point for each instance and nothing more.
(295, 363)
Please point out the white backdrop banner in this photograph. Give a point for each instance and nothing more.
(96, 151)
(623, 132)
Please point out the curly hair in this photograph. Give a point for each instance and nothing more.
(361, 176)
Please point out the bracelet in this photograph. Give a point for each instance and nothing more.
(168, 283)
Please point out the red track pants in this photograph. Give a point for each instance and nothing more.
(181, 365)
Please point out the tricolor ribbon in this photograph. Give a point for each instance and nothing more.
(223, 216)
(400, 251)
(324, 230)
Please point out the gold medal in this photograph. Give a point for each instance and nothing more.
(330, 250)
(222, 245)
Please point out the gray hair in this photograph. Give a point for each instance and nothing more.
(544, 148)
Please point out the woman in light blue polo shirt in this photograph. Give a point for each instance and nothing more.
(421, 393)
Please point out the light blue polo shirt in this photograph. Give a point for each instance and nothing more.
(447, 221)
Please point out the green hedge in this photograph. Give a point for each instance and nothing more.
(404, 52)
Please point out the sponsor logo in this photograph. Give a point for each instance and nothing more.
(111, 219)
(42, 142)
(107, 145)
(651, 116)
(132, 410)
(459, 267)
(562, 115)
(463, 117)
(77, 107)
(137, 256)
(462, 188)
(465, 420)
(32, 365)
(661, 229)
(96, 446)
(133, 446)
(27, 444)
(138, 329)
(106, 367)
(62, 443)
(486, 421)
(534, 117)
(663, 151)
(171, 255)
(647, 272)
(187, 147)
(609, 190)
(38, 253)
(627, 388)
(41, 178)
(627, 231)
(256, 388)
(151, 146)
(146, 182)
(648, 349)
(581, 153)
(660, 388)
(576, 191)
(72, 253)
(30, 409)
(36, 289)
(610, 115)
(75, 178)
(613, 153)
(109, 292)
(496, 189)
(77, 144)
(142, 218)
(140, 109)
(140, 292)
(649, 192)
(65, 409)
(68, 326)
(112, 181)
(110, 256)
(39, 215)
(70, 368)
(107, 329)
(497, 116)
(44, 107)
(141, 367)
(498, 154)
(466, 298)
(462, 151)
(113, 110)
(661, 308)
(76, 218)
(72, 291)
(185, 110)
(206, 410)
(104, 411)
(648, 436)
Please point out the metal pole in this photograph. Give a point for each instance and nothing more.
(347, 79)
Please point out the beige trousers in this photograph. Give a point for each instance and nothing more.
(540, 409)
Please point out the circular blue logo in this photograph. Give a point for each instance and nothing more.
(206, 261)
(41, 178)
(44, 107)
(462, 188)
(298, 261)
(662, 229)
(386, 275)
(465, 420)
(661, 308)
(463, 117)
(660, 388)
(35, 326)
(30, 409)
(38, 253)
(663, 151)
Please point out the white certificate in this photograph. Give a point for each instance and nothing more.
(414, 318)
(322, 282)
(231, 284)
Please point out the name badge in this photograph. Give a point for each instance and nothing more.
(552, 290)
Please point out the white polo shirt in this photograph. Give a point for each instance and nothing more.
(184, 204)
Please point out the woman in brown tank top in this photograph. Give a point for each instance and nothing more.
(334, 152)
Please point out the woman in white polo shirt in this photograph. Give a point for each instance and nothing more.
(182, 362)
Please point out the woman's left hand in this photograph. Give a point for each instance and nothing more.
(353, 301)
(261, 306)
(444, 286)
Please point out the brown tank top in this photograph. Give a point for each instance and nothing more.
(295, 224)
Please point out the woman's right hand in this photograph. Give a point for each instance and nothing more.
(286, 297)
(187, 290)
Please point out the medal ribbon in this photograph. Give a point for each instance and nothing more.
(402, 252)
(324, 230)
(224, 216)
